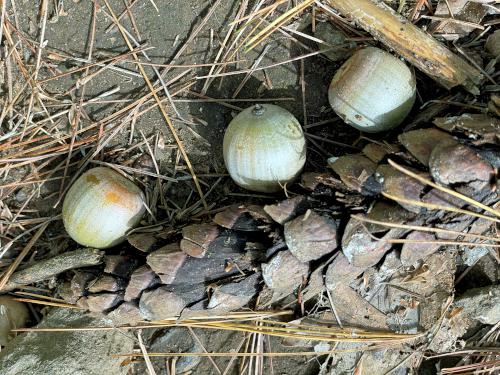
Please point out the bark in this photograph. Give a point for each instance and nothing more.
(45, 269)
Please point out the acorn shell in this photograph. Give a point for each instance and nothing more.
(264, 148)
(373, 91)
(101, 207)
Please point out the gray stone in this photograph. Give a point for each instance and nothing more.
(481, 304)
(160, 304)
(67, 353)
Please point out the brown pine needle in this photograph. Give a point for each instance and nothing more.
(439, 207)
(254, 354)
(277, 23)
(258, 12)
(444, 189)
(424, 229)
(48, 303)
(40, 296)
(301, 331)
(145, 354)
(439, 242)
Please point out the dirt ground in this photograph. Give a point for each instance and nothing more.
(163, 32)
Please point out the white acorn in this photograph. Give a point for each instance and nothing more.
(372, 91)
(264, 148)
(101, 207)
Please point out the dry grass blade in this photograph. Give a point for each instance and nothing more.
(195, 336)
(444, 189)
(22, 255)
(258, 12)
(439, 207)
(276, 24)
(322, 332)
(261, 354)
(145, 354)
(424, 229)
(474, 368)
(48, 303)
(39, 296)
(440, 242)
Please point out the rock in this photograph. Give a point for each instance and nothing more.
(481, 304)
(13, 314)
(166, 262)
(421, 142)
(286, 210)
(126, 314)
(375, 152)
(67, 353)
(311, 236)
(424, 294)
(493, 43)
(106, 283)
(412, 252)
(179, 339)
(284, 271)
(141, 279)
(103, 302)
(341, 272)
(233, 296)
(191, 293)
(159, 304)
(357, 172)
(197, 238)
(144, 242)
(120, 265)
(399, 185)
(452, 163)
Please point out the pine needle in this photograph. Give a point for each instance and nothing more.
(444, 189)
(276, 24)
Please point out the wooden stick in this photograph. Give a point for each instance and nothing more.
(419, 48)
(21, 256)
(45, 269)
